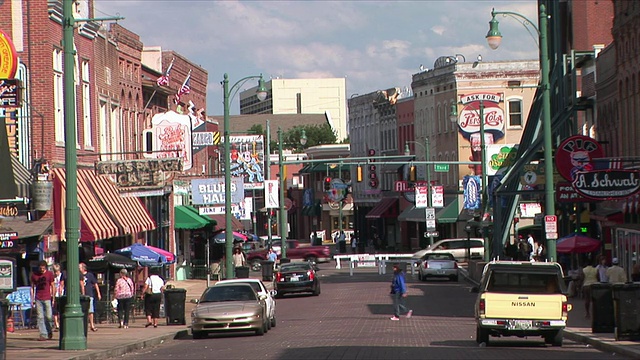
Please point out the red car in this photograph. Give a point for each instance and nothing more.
(296, 278)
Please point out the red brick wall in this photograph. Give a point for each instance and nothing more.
(591, 23)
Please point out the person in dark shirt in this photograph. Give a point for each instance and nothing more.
(89, 287)
(42, 290)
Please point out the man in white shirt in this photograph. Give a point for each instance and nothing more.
(532, 246)
(615, 273)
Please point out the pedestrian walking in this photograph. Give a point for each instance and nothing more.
(89, 287)
(238, 258)
(602, 269)
(354, 243)
(588, 277)
(124, 292)
(532, 246)
(272, 256)
(152, 292)
(399, 293)
(58, 282)
(615, 273)
(42, 293)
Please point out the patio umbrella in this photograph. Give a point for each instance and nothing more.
(220, 237)
(110, 261)
(578, 244)
(143, 255)
(170, 257)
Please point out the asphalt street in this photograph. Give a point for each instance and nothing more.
(350, 320)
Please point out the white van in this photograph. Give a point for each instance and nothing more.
(457, 247)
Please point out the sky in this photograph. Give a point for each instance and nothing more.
(375, 45)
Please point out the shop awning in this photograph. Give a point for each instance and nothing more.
(607, 215)
(24, 227)
(412, 213)
(103, 212)
(448, 214)
(22, 177)
(313, 168)
(187, 218)
(386, 208)
(128, 211)
(222, 222)
(210, 221)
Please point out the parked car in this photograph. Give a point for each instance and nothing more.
(457, 247)
(261, 290)
(296, 277)
(438, 265)
(295, 251)
(229, 307)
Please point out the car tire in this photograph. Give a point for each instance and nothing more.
(311, 259)
(273, 322)
(198, 335)
(555, 338)
(482, 335)
(420, 276)
(316, 292)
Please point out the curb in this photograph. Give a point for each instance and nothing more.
(604, 346)
(124, 349)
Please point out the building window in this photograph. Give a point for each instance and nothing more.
(58, 95)
(515, 113)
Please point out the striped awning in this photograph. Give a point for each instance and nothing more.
(129, 212)
(22, 177)
(103, 213)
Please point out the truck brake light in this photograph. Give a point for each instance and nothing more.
(481, 307)
(565, 309)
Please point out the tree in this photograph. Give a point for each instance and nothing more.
(316, 135)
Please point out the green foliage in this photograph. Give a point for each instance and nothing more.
(316, 135)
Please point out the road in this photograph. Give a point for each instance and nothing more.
(350, 320)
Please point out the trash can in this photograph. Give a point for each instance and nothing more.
(242, 272)
(267, 270)
(602, 314)
(174, 301)
(85, 302)
(4, 315)
(626, 303)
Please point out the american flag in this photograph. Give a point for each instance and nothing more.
(186, 85)
(164, 79)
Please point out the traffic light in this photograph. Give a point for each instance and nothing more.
(412, 173)
(359, 174)
(327, 183)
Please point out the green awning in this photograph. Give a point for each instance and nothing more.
(313, 168)
(448, 214)
(186, 217)
(412, 213)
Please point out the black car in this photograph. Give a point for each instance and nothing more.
(296, 278)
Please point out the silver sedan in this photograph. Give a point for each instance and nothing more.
(438, 265)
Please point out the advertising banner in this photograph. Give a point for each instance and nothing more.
(246, 160)
(271, 197)
(422, 197)
(471, 186)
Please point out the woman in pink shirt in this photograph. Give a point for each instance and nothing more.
(124, 292)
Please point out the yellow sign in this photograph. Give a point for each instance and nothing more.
(8, 57)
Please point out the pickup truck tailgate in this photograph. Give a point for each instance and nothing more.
(520, 306)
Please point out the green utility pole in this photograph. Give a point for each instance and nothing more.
(494, 38)
(485, 183)
(268, 177)
(73, 337)
(428, 175)
(283, 212)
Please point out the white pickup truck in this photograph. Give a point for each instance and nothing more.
(521, 299)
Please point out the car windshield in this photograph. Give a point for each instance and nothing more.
(228, 293)
(445, 256)
(253, 284)
(295, 267)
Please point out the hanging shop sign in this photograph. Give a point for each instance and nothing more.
(246, 160)
(8, 57)
(139, 173)
(607, 184)
(170, 137)
(576, 154)
(8, 210)
(10, 93)
(212, 191)
(8, 274)
(471, 186)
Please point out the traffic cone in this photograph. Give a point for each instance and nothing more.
(10, 327)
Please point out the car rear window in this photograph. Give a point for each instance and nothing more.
(439, 256)
(521, 283)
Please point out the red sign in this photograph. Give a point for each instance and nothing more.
(406, 186)
(575, 154)
(8, 57)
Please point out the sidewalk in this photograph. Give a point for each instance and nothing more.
(579, 330)
(108, 341)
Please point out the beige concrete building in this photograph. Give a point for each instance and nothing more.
(302, 96)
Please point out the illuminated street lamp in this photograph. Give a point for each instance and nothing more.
(261, 93)
(494, 38)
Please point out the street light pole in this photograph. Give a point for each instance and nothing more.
(494, 38)
(485, 182)
(427, 173)
(262, 94)
(73, 337)
(267, 164)
(283, 213)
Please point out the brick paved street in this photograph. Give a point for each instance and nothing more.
(350, 320)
